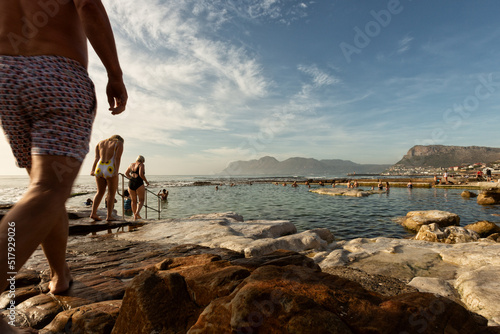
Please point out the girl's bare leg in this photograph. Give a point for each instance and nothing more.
(140, 194)
(112, 187)
(101, 190)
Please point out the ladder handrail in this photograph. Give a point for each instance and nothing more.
(145, 198)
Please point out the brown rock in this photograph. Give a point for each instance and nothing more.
(488, 197)
(324, 234)
(484, 228)
(94, 318)
(211, 281)
(449, 235)
(495, 237)
(29, 283)
(277, 258)
(26, 277)
(89, 289)
(274, 299)
(37, 311)
(430, 233)
(154, 303)
(192, 249)
(187, 261)
(21, 295)
(483, 199)
(415, 219)
(468, 194)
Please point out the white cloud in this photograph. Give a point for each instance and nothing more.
(226, 152)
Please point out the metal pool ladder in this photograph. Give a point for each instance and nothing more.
(146, 207)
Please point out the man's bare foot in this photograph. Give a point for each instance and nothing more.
(137, 217)
(5, 328)
(60, 283)
(109, 219)
(95, 217)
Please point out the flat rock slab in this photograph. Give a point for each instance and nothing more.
(346, 192)
(228, 230)
(472, 269)
(479, 289)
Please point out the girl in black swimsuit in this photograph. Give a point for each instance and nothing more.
(135, 173)
(135, 182)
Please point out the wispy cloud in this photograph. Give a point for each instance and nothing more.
(281, 11)
(319, 77)
(404, 44)
(180, 75)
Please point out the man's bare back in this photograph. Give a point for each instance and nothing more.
(53, 34)
(45, 27)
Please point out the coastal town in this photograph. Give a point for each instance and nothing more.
(466, 170)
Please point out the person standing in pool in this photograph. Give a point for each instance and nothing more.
(136, 174)
(47, 108)
(163, 194)
(108, 154)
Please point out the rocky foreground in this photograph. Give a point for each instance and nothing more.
(216, 273)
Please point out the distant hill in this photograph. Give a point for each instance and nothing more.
(448, 156)
(300, 166)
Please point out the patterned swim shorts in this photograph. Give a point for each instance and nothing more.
(47, 106)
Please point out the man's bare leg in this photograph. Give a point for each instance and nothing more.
(54, 248)
(37, 214)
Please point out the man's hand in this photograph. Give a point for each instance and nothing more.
(117, 96)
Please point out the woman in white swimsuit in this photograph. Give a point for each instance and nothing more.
(108, 153)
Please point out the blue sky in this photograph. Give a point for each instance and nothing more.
(212, 82)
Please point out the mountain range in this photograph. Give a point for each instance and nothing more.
(433, 156)
(300, 167)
